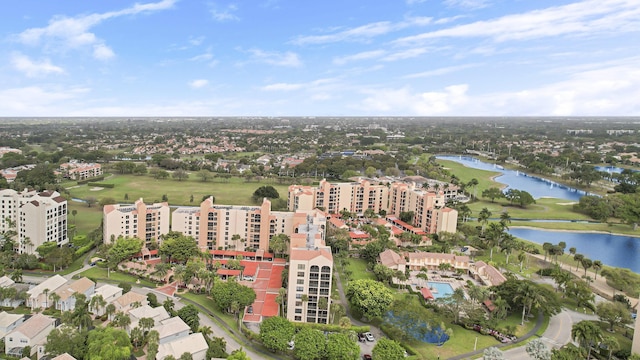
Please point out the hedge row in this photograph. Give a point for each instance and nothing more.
(331, 328)
(102, 185)
(94, 179)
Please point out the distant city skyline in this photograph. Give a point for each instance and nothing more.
(327, 58)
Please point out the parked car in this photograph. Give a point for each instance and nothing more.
(361, 337)
(369, 336)
(366, 357)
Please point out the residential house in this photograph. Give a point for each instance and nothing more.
(392, 260)
(39, 295)
(66, 294)
(64, 356)
(157, 314)
(487, 274)
(195, 344)
(171, 329)
(129, 301)
(109, 294)
(33, 333)
(8, 322)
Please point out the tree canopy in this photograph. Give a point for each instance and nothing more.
(276, 332)
(341, 347)
(266, 191)
(231, 291)
(369, 297)
(119, 344)
(310, 344)
(178, 247)
(387, 349)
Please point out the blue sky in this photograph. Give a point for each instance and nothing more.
(320, 58)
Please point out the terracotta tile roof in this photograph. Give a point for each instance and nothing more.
(426, 294)
(308, 254)
(64, 356)
(390, 258)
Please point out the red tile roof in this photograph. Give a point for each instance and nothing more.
(426, 293)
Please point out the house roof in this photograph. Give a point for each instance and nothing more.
(52, 283)
(64, 356)
(107, 290)
(7, 319)
(309, 254)
(129, 298)
(146, 311)
(391, 258)
(192, 344)
(6, 281)
(34, 325)
(171, 326)
(79, 286)
(426, 293)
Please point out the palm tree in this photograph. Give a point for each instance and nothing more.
(122, 320)
(597, 266)
(522, 256)
(337, 311)
(305, 299)
(586, 333)
(483, 218)
(54, 299)
(586, 264)
(611, 344)
(206, 331)
(495, 234)
(505, 219)
(280, 299)
(546, 247)
(578, 258)
(46, 298)
(110, 310)
(473, 183)
(97, 302)
(507, 245)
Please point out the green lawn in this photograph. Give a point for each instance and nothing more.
(87, 219)
(210, 305)
(359, 270)
(235, 191)
(97, 273)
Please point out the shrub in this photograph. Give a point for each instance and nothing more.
(102, 185)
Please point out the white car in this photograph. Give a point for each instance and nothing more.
(369, 336)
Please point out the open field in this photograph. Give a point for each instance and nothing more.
(235, 191)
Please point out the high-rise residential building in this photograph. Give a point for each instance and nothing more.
(335, 197)
(427, 204)
(37, 217)
(142, 221)
(310, 271)
(232, 227)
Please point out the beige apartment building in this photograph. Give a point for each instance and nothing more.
(142, 221)
(430, 212)
(335, 197)
(38, 217)
(310, 270)
(80, 171)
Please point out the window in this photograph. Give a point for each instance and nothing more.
(301, 266)
(300, 274)
(300, 282)
(299, 288)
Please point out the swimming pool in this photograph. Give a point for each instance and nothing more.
(440, 290)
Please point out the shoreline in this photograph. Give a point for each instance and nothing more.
(575, 231)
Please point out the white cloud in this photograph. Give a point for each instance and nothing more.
(102, 52)
(282, 87)
(362, 33)
(580, 18)
(288, 59)
(197, 41)
(366, 55)
(411, 2)
(224, 14)
(73, 32)
(38, 101)
(403, 101)
(198, 83)
(467, 4)
(406, 54)
(32, 68)
(440, 71)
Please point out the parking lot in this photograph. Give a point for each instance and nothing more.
(366, 347)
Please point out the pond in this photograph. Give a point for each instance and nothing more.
(613, 250)
(537, 187)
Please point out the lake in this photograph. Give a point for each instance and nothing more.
(537, 187)
(613, 250)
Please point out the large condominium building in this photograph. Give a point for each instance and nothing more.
(80, 171)
(335, 197)
(429, 211)
(142, 221)
(428, 207)
(230, 227)
(310, 270)
(37, 217)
